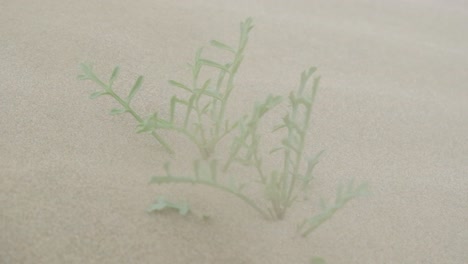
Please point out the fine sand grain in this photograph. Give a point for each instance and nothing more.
(392, 110)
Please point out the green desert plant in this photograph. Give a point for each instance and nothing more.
(200, 116)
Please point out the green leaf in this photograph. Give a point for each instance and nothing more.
(276, 149)
(278, 127)
(198, 54)
(87, 69)
(210, 93)
(114, 75)
(222, 46)
(117, 111)
(273, 101)
(160, 123)
(152, 123)
(311, 163)
(246, 26)
(135, 88)
(317, 260)
(270, 102)
(205, 86)
(174, 101)
(97, 94)
(148, 124)
(205, 108)
(180, 85)
(213, 64)
(197, 66)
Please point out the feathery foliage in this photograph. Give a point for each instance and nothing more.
(200, 116)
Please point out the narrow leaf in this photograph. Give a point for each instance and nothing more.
(135, 88)
(205, 85)
(222, 46)
(117, 111)
(114, 75)
(311, 163)
(172, 107)
(276, 149)
(278, 127)
(311, 71)
(213, 64)
(148, 124)
(317, 260)
(205, 108)
(213, 94)
(161, 123)
(87, 69)
(180, 85)
(97, 94)
(197, 66)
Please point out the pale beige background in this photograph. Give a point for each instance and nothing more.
(392, 110)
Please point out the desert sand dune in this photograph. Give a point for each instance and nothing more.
(392, 110)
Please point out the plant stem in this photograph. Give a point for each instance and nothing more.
(302, 140)
(127, 107)
(232, 72)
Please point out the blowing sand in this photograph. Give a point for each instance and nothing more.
(392, 110)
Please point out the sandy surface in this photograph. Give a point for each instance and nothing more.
(392, 110)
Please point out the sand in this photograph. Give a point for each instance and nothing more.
(392, 110)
